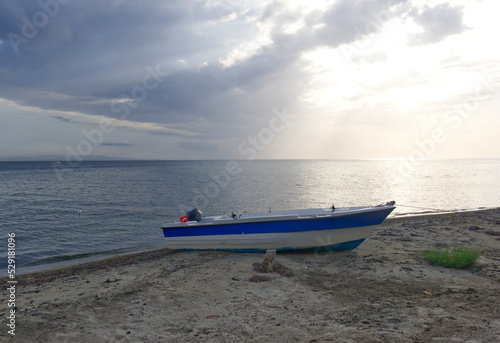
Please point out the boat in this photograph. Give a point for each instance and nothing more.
(309, 229)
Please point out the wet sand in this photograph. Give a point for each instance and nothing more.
(383, 291)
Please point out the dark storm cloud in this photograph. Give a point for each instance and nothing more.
(90, 53)
(438, 23)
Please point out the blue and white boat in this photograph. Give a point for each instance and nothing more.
(328, 228)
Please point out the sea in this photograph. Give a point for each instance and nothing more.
(69, 212)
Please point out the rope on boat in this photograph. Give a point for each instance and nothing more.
(424, 208)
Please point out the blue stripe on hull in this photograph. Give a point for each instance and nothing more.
(297, 225)
(333, 247)
(337, 247)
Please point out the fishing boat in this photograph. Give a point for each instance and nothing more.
(322, 228)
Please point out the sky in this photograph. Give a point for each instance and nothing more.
(241, 79)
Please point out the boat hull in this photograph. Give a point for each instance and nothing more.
(341, 239)
(342, 230)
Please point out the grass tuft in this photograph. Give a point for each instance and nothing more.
(457, 257)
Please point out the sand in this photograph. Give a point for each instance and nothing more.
(384, 291)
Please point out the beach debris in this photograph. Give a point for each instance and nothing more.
(121, 335)
(427, 292)
(109, 280)
(213, 316)
(235, 278)
(274, 267)
(474, 228)
(270, 265)
(259, 278)
(267, 264)
(378, 260)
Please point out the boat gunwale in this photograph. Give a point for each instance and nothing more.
(278, 218)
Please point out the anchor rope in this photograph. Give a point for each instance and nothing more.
(423, 208)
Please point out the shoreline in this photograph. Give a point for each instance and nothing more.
(66, 261)
(383, 291)
(97, 259)
(129, 258)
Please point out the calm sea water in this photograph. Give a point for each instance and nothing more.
(124, 203)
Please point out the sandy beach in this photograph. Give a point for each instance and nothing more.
(383, 291)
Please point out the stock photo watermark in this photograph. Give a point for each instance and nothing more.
(93, 138)
(11, 283)
(249, 149)
(451, 120)
(324, 248)
(258, 143)
(226, 7)
(31, 26)
(360, 42)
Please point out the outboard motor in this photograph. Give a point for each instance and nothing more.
(194, 214)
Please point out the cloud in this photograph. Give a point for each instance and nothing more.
(437, 22)
(116, 144)
(224, 65)
(80, 61)
(198, 147)
(64, 119)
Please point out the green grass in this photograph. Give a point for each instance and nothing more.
(457, 257)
